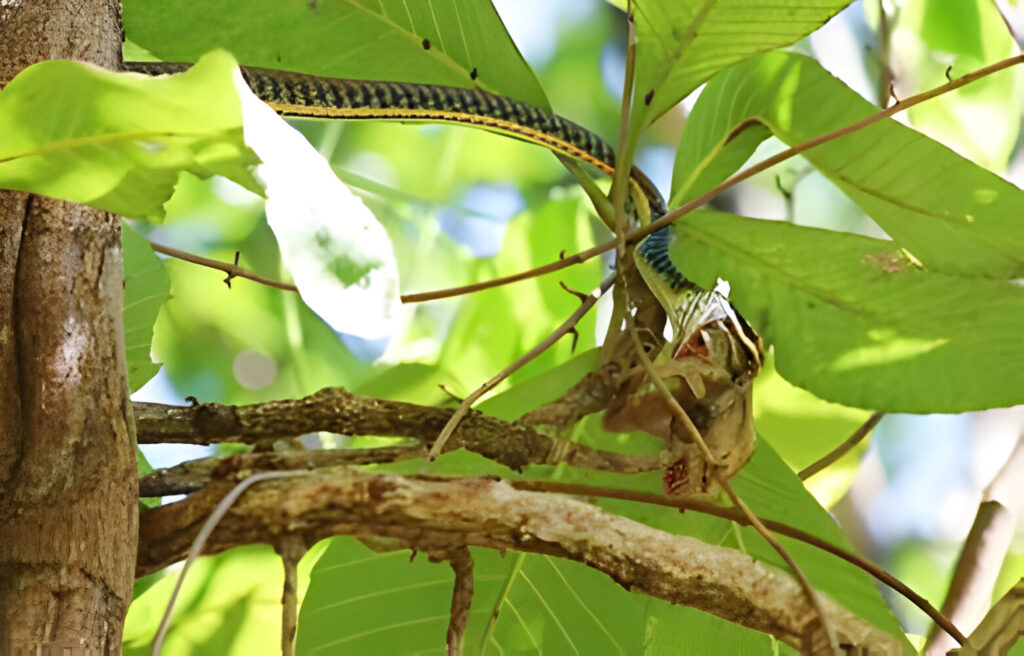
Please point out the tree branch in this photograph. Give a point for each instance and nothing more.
(339, 411)
(977, 568)
(439, 515)
(193, 475)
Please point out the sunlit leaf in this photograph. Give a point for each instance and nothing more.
(951, 214)
(669, 628)
(683, 43)
(146, 287)
(230, 605)
(802, 428)
(117, 141)
(451, 42)
(855, 321)
(365, 601)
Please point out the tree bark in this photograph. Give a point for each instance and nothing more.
(68, 484)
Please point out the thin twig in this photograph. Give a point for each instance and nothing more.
(200, 541)
(291, 548)
(735, 515)
(841, 450)
(812, 596)
(558, 333)
(233, 270)
(707, 196)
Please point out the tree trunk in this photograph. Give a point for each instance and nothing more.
(68, 484)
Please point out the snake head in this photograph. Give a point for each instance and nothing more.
(708, 368)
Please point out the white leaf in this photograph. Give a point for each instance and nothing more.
(338, 253)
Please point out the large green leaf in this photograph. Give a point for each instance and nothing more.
(452, 42)
(803, 428)
(682, 43)
(855, 321)
(951, 214)
(116, 141)
(773, 491)
(553, 606)
(146, 287)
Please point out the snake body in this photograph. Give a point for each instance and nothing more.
(313, 96)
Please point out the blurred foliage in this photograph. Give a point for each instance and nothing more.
(462, 206)
(937, 42)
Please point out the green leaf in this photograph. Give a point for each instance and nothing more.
(670, 627)
(773, 491)
(683, 43)
(229, 605)
(118, 141)
(951, 214)
(544, 605)
(452, 42)
(803, 428)
(146, 287)
(855, 321)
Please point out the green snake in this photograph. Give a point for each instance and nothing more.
(310, 96)
(715, 352)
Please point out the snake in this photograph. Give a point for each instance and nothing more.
(303, 95)
(711, 340)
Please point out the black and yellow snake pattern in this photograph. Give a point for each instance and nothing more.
(312, 96)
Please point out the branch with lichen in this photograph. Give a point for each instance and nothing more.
(436, 515)
(339, 411)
